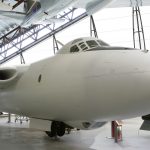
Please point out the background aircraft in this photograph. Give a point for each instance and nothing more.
(26, 13)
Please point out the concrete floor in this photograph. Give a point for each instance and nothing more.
(14, 136)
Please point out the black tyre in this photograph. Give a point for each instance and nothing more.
(54, 129)
(61, 129)
(57, 129)
(48, 133)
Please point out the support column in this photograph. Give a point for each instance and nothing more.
(93, 30)
(138, 31)
(9, 118)
(55, 44)
(116, 130)
(22, 60)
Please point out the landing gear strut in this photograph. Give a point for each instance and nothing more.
(57, 129)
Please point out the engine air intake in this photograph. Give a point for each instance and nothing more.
(6, 74)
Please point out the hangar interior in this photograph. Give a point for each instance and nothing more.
(16, 136)
(14, 44)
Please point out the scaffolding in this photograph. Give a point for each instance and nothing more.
(20, 39)
(55, 44)
(17, 41)
(138, 31)
(93, 30)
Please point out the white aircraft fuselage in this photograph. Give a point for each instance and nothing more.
(96, 85)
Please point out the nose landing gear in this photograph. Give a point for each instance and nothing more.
(57, 129)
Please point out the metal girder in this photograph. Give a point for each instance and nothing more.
(19, 2)
(138, 31)
(55, 44)
(20, 39)
(93, 30)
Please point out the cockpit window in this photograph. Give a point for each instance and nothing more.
(74, 49)
(77, 40)
(102, 43)
(92, 43)
(83, 46)
(81, 43)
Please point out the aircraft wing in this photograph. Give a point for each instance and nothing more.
(6, 24)
(9, 19)
(96, 5)
(129, 3)
(49, 21)
(5, 7)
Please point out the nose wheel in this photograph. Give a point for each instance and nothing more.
(57, 129)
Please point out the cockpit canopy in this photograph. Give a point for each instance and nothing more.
(82, 44)
(88, 44)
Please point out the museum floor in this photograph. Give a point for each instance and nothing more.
(15, 136)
